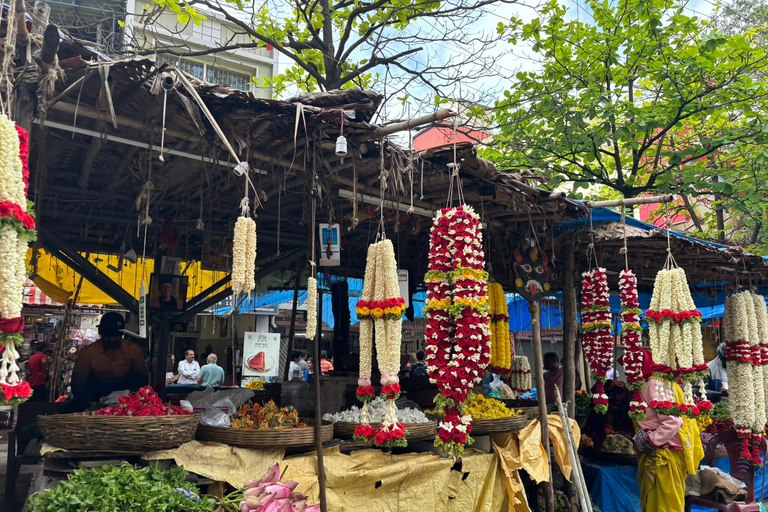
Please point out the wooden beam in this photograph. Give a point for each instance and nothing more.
(203, 294)
(570, 324)
(538, 358)
(40, 15)
(50, 44)
(22, 36)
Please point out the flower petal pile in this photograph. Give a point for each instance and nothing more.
(269, 494)
(674, 326)
(381, 306)
(145, 402)
(596, 331)
(501, 346)
(17, 229)
(457, 333)
(631, 336)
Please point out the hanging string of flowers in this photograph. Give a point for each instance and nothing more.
(244, 252)
(501, 351)
(762, 326)
(521, 381)
(17, 229)
(381, 307)
(736, 333)
(311, 308)
(596, 331)
(675, 333)
(458, 333)
(757, 379)
(631, 332)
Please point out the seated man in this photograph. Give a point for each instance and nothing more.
(110, 364)
(211, 375)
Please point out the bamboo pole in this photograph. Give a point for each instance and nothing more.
(59, 353)
(577, 476)
(292, 327)
(569, 326)
(538, 357)
(383, 131)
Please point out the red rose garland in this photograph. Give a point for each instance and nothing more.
(631, 332)
(457, 333)
(596, 331)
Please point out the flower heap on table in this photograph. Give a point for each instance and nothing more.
(596, 331)
(501, 347)
(631, 333)
(457, 334)
(17, 229)
(521, 381)
(381, 306)
(269, 494)
(674, 326)
(145, 402)
(743, 321)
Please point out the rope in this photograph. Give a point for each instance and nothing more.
(8, 55)
(624, 228)
(381, 233)
(670, 263)
(245, 209)
(591, 252)
(162, 132)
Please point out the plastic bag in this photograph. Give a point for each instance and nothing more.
(186, 406)
(209, 397)
(505, 391)
(724, 475)
(226, 403)
(214, 417)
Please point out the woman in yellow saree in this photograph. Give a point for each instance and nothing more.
(669, 449)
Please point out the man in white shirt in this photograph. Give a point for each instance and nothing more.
(294, 368)
(718, 371)
(188, 369)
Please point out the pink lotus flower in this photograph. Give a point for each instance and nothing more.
(280, 490)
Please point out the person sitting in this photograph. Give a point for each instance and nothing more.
(211, 375)
(553, 376)
(717, 371)
(110, 364)
(188, 369)
(419, 368)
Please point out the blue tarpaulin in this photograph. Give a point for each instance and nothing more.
(615, 489)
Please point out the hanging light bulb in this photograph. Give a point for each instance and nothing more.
(341, 146)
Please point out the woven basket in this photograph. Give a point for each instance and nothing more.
(264, 437)
(499, 425)
(118, 433)
(416, 431)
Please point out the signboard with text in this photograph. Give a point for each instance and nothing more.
(261, 354)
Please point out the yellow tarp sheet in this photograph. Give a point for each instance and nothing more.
(365, 480)
(58, 281)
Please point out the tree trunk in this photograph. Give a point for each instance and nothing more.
(570, 327)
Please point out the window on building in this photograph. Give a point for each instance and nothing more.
(196, 69)
(220, 76)
(209, 30)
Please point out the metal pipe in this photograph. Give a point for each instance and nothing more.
(632, 201)
(375, 201)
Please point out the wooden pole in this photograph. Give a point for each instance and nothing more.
(538, 358)
(434, 117)
(163, 344)
(569, 326)
(59, 352)
(317, 365)
(292, 327)
(577, 477)
(234, 344)
(631, 201)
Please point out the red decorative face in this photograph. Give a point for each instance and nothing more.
(532, 274)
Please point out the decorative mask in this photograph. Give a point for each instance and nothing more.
(532, 274)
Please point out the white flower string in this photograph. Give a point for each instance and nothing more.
(762, 325)
(17, 228)
(741, 378)
(522, 381)
(244, 252)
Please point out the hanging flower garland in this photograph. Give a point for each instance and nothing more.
(521, 381)
(758, 426)
(381, 306)
(17, 229)
(501, 351)
(674, 326)
(762, 325)
(244, 252)
(311, 308)
(596, 329)
(457, 343)
(736, 332)
(631, 332)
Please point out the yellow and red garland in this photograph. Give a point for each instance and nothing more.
(501, 347)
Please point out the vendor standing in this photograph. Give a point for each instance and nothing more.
(669, 448)
(110, 364)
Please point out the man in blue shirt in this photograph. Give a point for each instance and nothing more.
(211, 375)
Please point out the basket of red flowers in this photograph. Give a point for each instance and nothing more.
(139, 422)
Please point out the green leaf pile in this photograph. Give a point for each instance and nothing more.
(113, 488)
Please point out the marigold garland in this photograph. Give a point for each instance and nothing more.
(498, 314)
(17, 226)
(631, 332)
(457, 334)
(596, 331)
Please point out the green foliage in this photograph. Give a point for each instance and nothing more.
(112, 488)
(638, 99)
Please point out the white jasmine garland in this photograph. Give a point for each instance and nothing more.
(11, 181)
(762, 326)
(740, 375)
(311, 308)
(12, 272)
(377, 411)
(243, 256)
